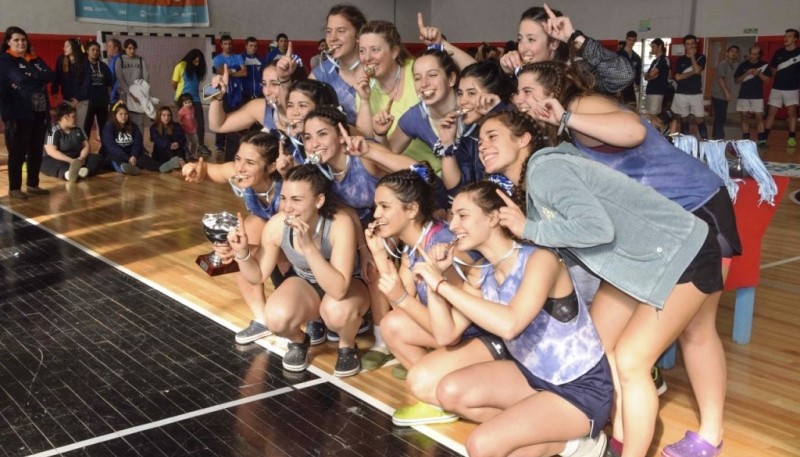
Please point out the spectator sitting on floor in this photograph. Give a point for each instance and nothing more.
(67, 153)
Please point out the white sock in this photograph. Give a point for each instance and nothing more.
(570, 447)
(379, 343)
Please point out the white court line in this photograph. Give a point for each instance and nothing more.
(780, 262)
(172, 420)
(323, 376)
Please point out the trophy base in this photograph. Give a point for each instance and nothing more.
(215, 270)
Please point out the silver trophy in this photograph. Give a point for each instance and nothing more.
(216, 227)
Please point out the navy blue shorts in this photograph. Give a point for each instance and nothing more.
(592, 393)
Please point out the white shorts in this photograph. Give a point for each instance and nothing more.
(653, 104)
(750, 105)
(685, 104)
(783, 97)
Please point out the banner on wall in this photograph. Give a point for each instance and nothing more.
(158, 13)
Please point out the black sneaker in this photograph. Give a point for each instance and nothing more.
(658, 380)
(348, 362)
(296, 358)
(254, 331)
(334, 337)
(315, 329)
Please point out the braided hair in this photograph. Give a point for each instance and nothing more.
(410, 187)
(484, 194)
(319, 185)
(519, 124)
(266, 144)
(563, 81)
(330, 114)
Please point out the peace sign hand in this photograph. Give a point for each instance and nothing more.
(558, 27)
(511, 216)
(428, 35)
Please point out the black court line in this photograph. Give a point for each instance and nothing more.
(88, 351)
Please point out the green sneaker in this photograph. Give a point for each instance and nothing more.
(375, 358)
(792, 142)
(400, 372)
(421, 413)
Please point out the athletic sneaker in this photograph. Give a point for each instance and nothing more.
(762, 143)
(296, 358)
(83, 172)
(658, 380)
(72, 173)
(334, 337)
(254, 331)
(421, 413)
(591, 447)
(792, 142)
(129, 169)
(348, 362)
(315, 329)
(170, 165)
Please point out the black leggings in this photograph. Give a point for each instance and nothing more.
(25, 143)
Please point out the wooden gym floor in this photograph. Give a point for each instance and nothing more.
(118, 300)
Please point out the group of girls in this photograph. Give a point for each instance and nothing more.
(590, 246)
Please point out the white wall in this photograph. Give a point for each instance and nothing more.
(497, 20)
(300, 19)
(461, 20)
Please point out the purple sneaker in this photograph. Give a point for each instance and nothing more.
(692, 445)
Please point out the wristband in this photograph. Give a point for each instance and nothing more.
(441, 150)
(562, 126)
(436, 289)
(400, 300)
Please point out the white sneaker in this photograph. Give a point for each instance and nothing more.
(83, 172)
(72, 174)
(591, 447)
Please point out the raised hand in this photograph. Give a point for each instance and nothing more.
(221, 81)
(237, 237)
(428, 273)
(558, 27)
(382, 122)
(428, 35)
(511, 216)
(195, 171)
(286, 65)
(356, 146)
